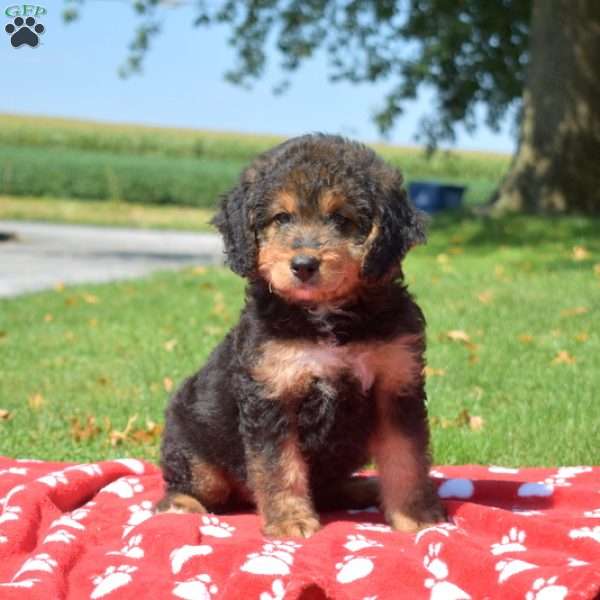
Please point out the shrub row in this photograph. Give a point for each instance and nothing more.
(189, 143)
(38, 171)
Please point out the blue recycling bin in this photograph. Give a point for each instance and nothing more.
(432, 197)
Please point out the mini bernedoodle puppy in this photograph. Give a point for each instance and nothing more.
(324, 370)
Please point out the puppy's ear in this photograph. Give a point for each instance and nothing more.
(397, 227)
(235, 221)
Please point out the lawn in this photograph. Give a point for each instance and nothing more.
(512, 307)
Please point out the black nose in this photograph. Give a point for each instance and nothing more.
(304, 267)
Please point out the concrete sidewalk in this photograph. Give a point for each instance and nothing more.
(42, 255)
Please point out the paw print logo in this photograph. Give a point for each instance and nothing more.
(275, 558)
(112, 579)
(24, 32)
(215, 528)
(131, 549)
(359, 542)
(39, 562)
(61, 536)
(351, 568)
(586, 532)
(544, 589)
(592, 514)
(277, 591)
(511, 542)
(180, 556)
(11, 513)
(197, 587)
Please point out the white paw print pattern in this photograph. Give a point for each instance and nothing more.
(90, 469)
(511, 566)
(72, 519)
(275, 558)
(592, 514)
(545, 589)
(504, 470)
(511, 542)
(53, 479)
(351, 568)
(14, 471)
(112, 579)
(11, 513)
(277, 591)
(586, 532)
(360, 542)
(126, 487)
(443, 529)
(131, 549)
(438, 569)
(575, 562)
(212, 526)
(180, 556)
(3, 539)
(40, 562)
(133, 464)
(199, 587)
(24, 583)
(61, 536)
(139, 513)
(379, 527)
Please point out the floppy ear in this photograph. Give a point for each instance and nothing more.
(396, 229)
(235, 221)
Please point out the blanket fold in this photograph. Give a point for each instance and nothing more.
(74, 531)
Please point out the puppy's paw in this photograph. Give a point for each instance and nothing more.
(296, 526)
(417, 519)
(179, 503)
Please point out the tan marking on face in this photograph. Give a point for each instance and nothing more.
(331, 201)
(338, 276)
(287, 369)
(285, 201)
(210, 483)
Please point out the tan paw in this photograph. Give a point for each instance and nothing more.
(179, 503)
(425, 517)
(292, 527)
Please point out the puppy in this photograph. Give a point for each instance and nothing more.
(324, 370)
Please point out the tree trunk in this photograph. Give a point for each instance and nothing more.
(557, 164)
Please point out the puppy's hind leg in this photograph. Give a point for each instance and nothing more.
(207, 489)
(346, 494)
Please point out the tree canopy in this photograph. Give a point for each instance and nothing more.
(469, 53)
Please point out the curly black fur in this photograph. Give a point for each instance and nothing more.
(221, 415)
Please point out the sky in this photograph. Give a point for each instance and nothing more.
(74, 73)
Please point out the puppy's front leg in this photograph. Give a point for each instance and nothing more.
(277, 472)
(400, 449)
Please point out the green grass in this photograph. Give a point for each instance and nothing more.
(515, 286)
(60, 210)
(42, 156)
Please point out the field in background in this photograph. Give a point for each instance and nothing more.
(512, 311)
(83, 160)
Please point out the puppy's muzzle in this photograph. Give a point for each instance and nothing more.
(304, 267)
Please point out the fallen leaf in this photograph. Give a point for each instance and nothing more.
(150, 434)
(170, 345)
(71, 301)
(168, 384)
(36, 401)
(48, 317)
(457, 335)
(571, 312)
(5, 415)
(432, 372)
(579, 253)
(473, 358)
(103, 380)
(582, 336)
(442, 259)
(84, 431)
(485, 297)
(90, 298)
(117, 437)
(563, 357)
(454, 250)
(199, 270)
(59, 287)
(476, 423)
(526, 338)
(3, 334)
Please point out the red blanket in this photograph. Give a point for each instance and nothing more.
(88, 531)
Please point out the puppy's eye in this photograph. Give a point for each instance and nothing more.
(282, 218)
(339, 220)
